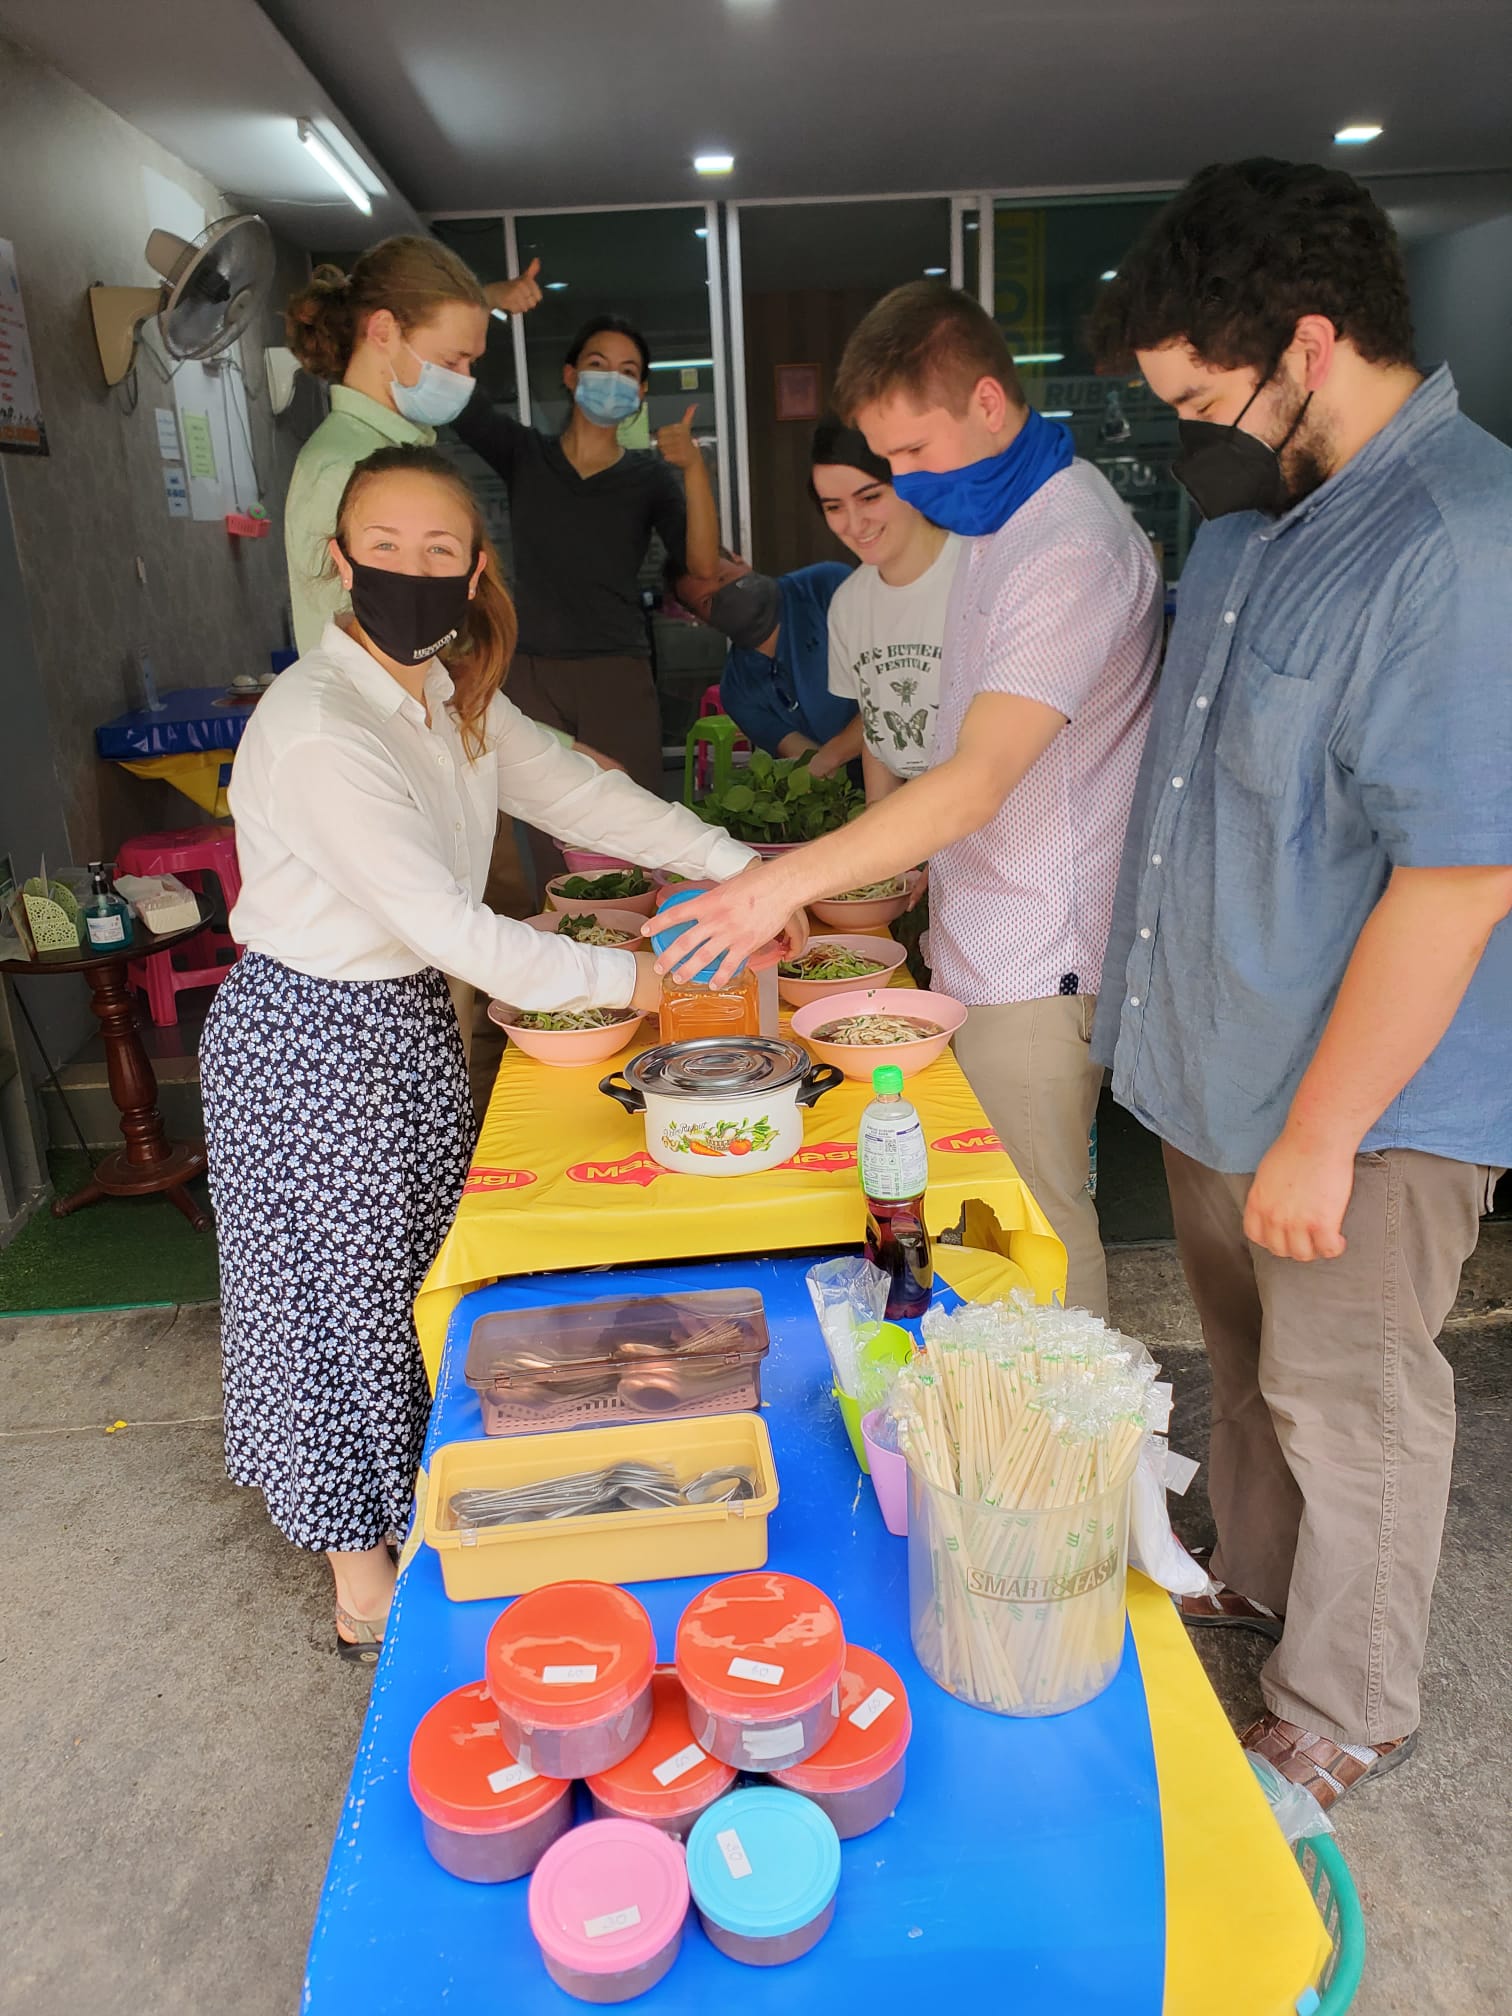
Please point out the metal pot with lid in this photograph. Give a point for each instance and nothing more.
(722, 1105)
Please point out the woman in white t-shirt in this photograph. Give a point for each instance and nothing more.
(887, 622)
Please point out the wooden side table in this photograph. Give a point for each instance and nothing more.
(148, 1164)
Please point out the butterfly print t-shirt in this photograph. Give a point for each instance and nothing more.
(884, 653)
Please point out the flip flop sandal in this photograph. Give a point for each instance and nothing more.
(1223, 1605)
(1319, 1765)
(366, 1640)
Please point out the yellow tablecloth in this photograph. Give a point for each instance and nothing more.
(561, 1178)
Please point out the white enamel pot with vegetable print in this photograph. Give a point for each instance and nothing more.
(722, 1106)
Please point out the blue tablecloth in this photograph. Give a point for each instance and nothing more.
(189, 721)
(1023, 1869)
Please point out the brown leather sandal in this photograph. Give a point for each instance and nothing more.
(365, 1641)
(1226, 1606)
(1318, 1764)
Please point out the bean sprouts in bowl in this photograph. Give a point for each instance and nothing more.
(909, 1027)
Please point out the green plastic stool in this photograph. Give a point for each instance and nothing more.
(721, 734)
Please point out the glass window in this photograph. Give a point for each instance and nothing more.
(1049, 260)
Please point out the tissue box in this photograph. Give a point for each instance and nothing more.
(162, 902)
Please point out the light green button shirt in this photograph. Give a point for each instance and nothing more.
(351, 431)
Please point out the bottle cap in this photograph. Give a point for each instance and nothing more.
(887, 1080)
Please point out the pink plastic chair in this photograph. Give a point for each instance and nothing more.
(193, 853)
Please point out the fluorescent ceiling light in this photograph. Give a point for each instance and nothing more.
(934, 272)
(700, 231)
(338, 171)
(556, 286)
(713, 164)
(1040, 357)
(683, 364)
(1357, 136)
(1111, 274)
(971, 223)
(1059, 413)
(498, 314)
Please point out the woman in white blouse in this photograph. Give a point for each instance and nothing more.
(366, 794)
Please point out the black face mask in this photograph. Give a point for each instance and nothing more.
(1223, 469)
(747, 610)
(410, 617)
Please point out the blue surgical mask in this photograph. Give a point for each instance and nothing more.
(982, 497)
(606, 397)
(437, 395)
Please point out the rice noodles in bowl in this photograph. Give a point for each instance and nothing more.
(876, 1025)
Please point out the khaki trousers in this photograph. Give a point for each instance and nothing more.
(1030, 1065)
(1333, 1427)
(609, 703)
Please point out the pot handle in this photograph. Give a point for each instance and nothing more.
(615, 1088)
(820, 1079)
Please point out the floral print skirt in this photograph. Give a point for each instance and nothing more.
(339, 1123)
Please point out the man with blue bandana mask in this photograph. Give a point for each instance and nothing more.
(1050, 644)
(583, 508)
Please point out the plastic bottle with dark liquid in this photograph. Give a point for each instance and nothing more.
(894, 1165)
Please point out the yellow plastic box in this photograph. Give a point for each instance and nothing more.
(602, 1546)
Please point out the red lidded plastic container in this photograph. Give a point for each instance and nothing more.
(760, 1657)
(671, 1779)
(486, 1817)
(569, 1669)
(857, 1778)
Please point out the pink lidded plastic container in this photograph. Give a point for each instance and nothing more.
(569, 1669)
(671, 1779)
(857, 1778)
(486, 1817)
(760, 1658)
(607, 1906)
(764, 1867)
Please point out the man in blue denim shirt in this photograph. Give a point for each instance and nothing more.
(1308, 991)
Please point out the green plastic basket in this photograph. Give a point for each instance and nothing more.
(1327, 1876)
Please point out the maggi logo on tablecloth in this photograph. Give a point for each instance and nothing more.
(637, 1169)
(970, 1141)
(823, 1155)
(497, 1179)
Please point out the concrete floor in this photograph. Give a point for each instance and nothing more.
(175, 1731)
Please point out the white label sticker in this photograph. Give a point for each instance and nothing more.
(569, 1676)
(612, 1921)
(512, 1775)
(876, 1703)
(763, 1745)
(733, 1850)
(105, 930)
(752, 1669)
(672, 1768)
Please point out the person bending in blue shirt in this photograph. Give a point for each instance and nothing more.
(775, 684)
(1308, 989)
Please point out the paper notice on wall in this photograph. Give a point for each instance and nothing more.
(21, 428)
(176, 489)
(199, 446)
(168, 435)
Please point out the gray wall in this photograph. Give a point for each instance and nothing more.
(71, 201)
(1462, 305)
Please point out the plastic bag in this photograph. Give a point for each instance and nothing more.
(850, 1301)
(1297, 1813)
(1153, 1546)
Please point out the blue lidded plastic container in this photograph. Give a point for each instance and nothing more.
(764, 1867)
(662, 939)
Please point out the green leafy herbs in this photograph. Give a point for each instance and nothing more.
(587, 930)
(610, 888)
(566, 1020)
(777, 799)
(823, 961)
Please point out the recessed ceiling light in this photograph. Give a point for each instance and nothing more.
(1111, 274)
(1357, 136)
(934, 272)
(700, 231)
(1040, 357)
(556, 286)
(713, 164)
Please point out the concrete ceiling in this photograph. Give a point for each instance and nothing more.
(479, 105)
